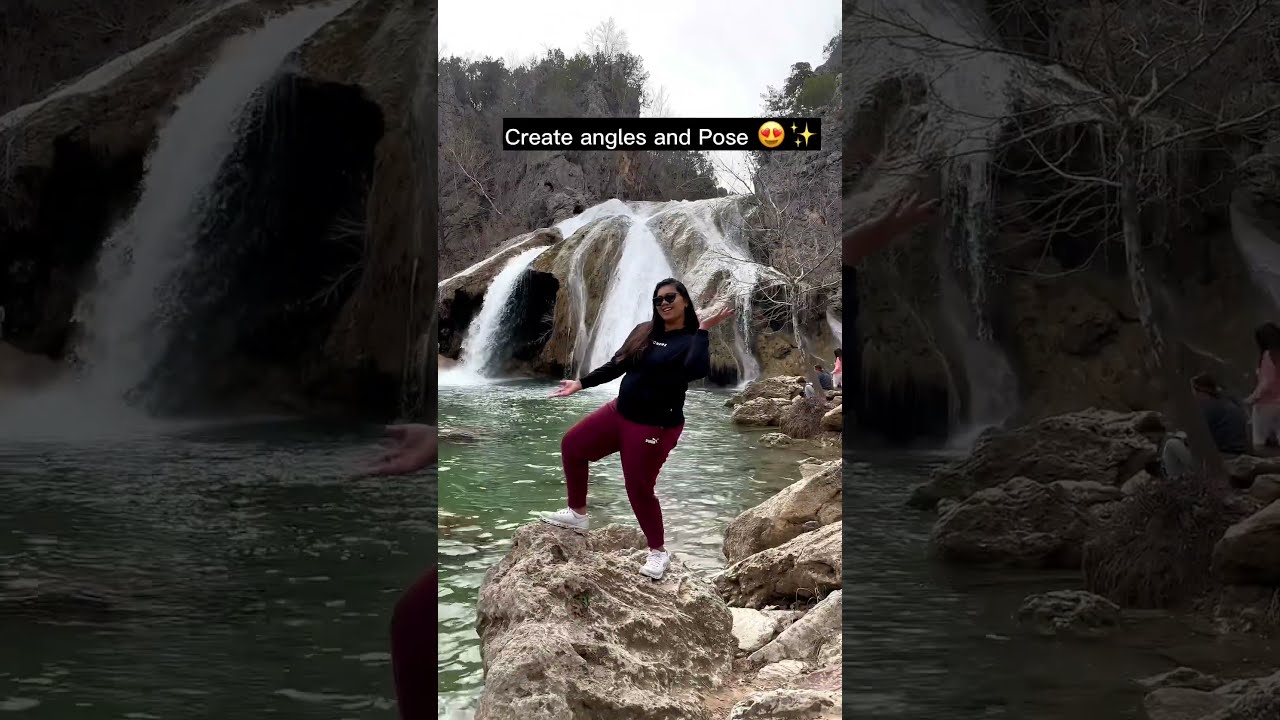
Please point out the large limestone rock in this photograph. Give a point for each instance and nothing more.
(570, 629)
(1249, 552)
(1244, 469)
(1069, 612)
(1182, 677)
(760, 412)
(1177, 703)
(807, 566)
(789, 704)
(775, 440)
(816, 498)
(834, 419)
(1021, 523)
(1097, 445)
(752, 629)
(1265, 489)
(779, 387)
(814, 636)
(1259, 700)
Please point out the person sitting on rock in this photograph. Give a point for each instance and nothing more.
(824, 377)
(643, 424)
(1265, 398)
(1226, 419)
(1176, 461)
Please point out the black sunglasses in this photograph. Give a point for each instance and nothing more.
(667, 299)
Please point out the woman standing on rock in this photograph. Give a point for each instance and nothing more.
(643, 424)
(1265, 397)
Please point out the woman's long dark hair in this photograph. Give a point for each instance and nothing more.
(1268, 338)
(657, 327)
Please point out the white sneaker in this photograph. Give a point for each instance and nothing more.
(656, 564)
(565, 518)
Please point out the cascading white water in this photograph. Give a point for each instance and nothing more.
(609, 208)
(969, 102)
(628, 302)
(993, 386)
(1261, 253)
(724, 256)
(482, 348)
(125, 315)
(837, 328)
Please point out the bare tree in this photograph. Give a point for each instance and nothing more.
(606, 39)
(657, 104)
(791, 233)
(1139, 93)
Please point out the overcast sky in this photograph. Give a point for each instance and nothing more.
(714, 58)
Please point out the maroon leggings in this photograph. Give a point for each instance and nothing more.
(643, 450)
(413, 649)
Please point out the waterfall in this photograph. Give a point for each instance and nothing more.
(993, 386)
(969, 103)
(113, 69)
(1261, 253)
(482, 349)
(628, 302)
(126, 313)
(693, 241)
(837, 328)
(724, 256)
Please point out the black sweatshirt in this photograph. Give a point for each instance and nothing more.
(653, 390)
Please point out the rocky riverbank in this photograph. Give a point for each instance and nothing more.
(778, 403)
(1080, 492)
(569, 629)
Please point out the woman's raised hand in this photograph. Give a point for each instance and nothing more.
(567, 388)
(723, 312)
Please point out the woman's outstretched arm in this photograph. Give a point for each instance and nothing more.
(875, 234)
(616, 366)
(414, 447)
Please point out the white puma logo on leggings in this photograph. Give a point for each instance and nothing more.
(652, 441)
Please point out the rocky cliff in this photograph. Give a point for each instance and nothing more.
(1024, 268)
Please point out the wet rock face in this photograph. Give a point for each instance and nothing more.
(50, 244)
(571, 630)
(272, 272)
(536, 320)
